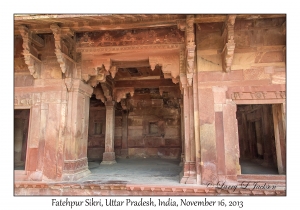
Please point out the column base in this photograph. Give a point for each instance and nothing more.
(124, 153)
(187, 179)
(75, 176)
(108, 158)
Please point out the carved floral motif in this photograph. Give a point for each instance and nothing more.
(131, 37)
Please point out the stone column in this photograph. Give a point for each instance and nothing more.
(185, 173)
(231, 141)
(73, 131)
(188, 175)
(209, 173)
(267, 135)
(124, 150)
(182, 132)
(109, 154)
(280, 140)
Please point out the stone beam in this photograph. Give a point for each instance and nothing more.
(30, 53)
(229, 44)
(64, 48)
(144, 83)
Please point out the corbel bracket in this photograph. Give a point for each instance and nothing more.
(120, 94)
(170, 65)
(64, 46)
(99, 93)
(93, 71)
(30, 40)
(229, 44)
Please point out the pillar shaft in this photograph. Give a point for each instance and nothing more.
(124, 150)
(109, 154)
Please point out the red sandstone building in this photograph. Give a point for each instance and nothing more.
(207, 91)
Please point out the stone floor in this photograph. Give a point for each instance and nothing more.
(136, 171)
(256, 167)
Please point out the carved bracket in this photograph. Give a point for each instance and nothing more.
(64, 48)
(29, 51)
(170, 65)
(69, 83)
(97, 70)
(229, 44)
(121, 93)
(107, 91)
(99, 94)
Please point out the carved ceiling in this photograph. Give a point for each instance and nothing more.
(90, 22)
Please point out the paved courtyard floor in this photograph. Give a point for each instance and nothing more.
(136, 171)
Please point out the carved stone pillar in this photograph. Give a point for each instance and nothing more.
(64, 130)
(109, 154)
(124, 150)
(73, 130)
(182, 132)
(188, 175)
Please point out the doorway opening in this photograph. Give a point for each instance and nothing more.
(147, 126)
(257, 139)
(21, 123)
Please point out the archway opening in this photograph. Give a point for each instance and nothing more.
(147, 127)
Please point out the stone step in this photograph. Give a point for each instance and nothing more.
(21, 175)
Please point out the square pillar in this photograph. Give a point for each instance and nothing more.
(188, 175)
(280, 136)
(208, 148)
(109, 154)
(73, 131)
(124, 150)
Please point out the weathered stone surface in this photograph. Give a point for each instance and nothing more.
(165, 105)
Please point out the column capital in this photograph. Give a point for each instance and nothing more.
(110, 103)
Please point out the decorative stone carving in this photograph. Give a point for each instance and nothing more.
(130, 37)
(92, 50)
(27, 99)
(258, 95)
(63, 48)
(95, 71)
(107, 40)
(99, 94)
(190, 49)
(113, 70)
(106, 91)
(86, 40)
(29, 51)
(68, 83)
(121, 93)
(229, 44)
(169, 64)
